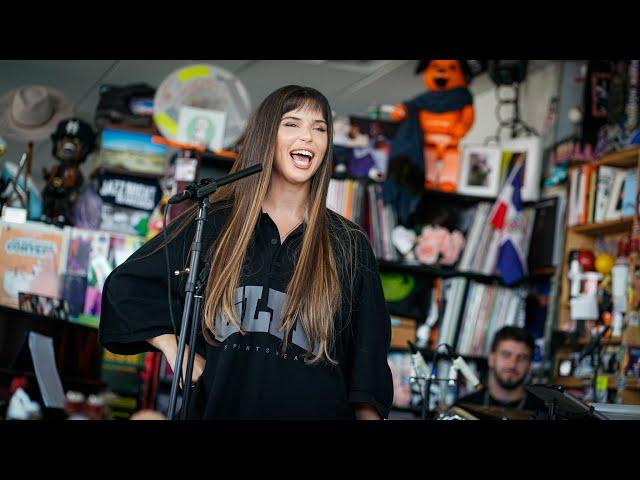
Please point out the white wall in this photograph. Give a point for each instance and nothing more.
(80, 81)
(535, 94)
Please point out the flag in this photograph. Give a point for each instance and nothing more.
(507, 218)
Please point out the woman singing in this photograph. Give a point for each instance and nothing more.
(294, 323)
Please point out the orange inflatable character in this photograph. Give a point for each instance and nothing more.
(439, 118)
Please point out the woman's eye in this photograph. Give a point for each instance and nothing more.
(321, 129)
(290, 125)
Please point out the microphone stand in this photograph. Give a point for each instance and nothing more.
(594, 349)
(193, 289)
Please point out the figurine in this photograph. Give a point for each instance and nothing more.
(72, 140)
(444, 115)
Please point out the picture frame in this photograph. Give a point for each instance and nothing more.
(531, 148)
(200, 126)
(131, 151)
(480, 171)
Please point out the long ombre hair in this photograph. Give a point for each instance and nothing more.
(314, 294)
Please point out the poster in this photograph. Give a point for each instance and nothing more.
(32, 258)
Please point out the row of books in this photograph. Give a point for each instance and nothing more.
(470, 319)
(601, 193)
(483, 241)
(362, 203)
(488, 308)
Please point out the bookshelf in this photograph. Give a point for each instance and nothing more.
(445, 272)
(610, 227)
(577, 383)
(583, 237)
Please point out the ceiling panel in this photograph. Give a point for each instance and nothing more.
(264, 76)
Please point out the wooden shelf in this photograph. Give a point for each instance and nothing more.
(446, 272)
(428, 355)
(543, 272)
(223, 157)
(627, 158)
(633, 383)
(123, 171)
(604, 228)
(604, 341)
(457, 196)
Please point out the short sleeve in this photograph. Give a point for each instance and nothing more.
(135, 304)
(370, 378)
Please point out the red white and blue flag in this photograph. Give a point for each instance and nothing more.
(506, 217)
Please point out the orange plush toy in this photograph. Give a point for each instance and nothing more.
(438, 118)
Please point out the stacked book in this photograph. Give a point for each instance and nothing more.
(362, 203)
(483, 241)
(347, 198)
(453, 292)
(599, 194)
(488, 308)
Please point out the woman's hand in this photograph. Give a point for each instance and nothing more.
(168, 345)
(364, 411)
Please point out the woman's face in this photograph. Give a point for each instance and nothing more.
(301, 145)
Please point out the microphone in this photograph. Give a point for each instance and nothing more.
(188, 193)
(419, 363)
(209, 185)
(459, 365)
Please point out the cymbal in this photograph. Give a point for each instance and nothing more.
(497, 413)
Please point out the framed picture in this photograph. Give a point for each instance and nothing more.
(134, 151)
(480, 171)
(531, 149)
(201, 126)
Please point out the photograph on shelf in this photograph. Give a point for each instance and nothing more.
(528, 149)
(46, 306)
(134, 151)
(200, 126)
(362, 147)
(32, 257)
(480, 171)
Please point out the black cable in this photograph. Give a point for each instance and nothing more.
(166, 256)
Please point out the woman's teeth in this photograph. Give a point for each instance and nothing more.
(302, 158)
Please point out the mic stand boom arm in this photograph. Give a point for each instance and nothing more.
(200, 193)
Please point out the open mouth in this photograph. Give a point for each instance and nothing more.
(441, 82)
(301, 158)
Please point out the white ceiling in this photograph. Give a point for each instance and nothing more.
(350, 89)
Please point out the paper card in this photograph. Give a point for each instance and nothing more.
(200, 126)
(44, 363)
(185, 170)
(13, 214)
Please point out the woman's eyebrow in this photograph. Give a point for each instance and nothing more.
(299, 119)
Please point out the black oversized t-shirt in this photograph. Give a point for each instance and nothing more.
(248, 376)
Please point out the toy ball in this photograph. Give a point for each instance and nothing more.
(604, 263)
